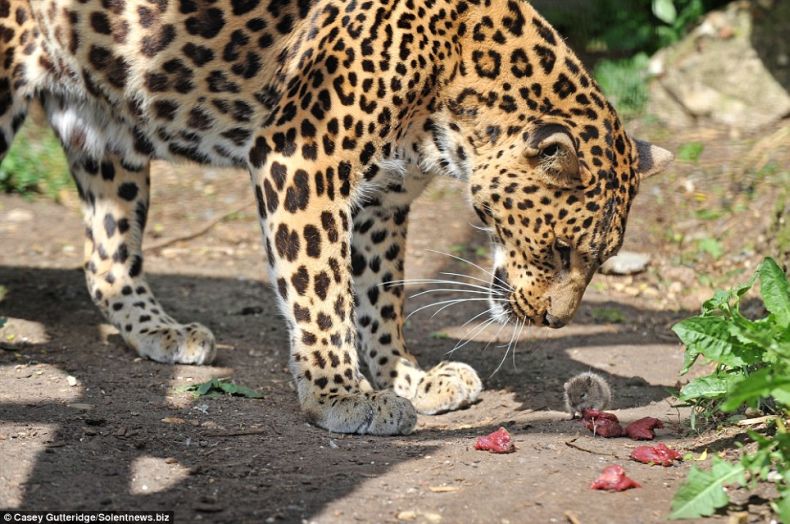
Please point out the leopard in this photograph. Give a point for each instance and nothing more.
(341, 111)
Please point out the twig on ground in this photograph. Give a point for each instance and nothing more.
(205, 228)
(570, 444)
(756, 421)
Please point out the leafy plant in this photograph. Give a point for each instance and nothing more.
(624, 82)
(608, 314)
(691, 151)
(35, 163)
(221, 386)
(711, 246)
(752, 368)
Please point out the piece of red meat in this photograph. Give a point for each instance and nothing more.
(613, 478)
(497, 442)
(660, 454)
(590, 413)
(642, 429)
(602, 423)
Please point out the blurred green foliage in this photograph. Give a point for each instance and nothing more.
(624, 83)
(616, 37)
(35, 164)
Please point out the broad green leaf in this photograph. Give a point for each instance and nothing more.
(238, 390)
(720, 301)
(703, 492)
(775, 291)
(782, 505)
(760, 384)
(708, 336)
(205, 387)
(705, 387)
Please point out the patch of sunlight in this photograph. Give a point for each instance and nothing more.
(186, 376)
(17, 331)
(19, 451)
(153, 474)
(656, 363)
(27, 383)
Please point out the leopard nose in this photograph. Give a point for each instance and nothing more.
(552, 321)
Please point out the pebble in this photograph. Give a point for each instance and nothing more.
(626, 263)
(19, 215)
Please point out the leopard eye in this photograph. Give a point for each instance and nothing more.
(563, 248)
(549, 151)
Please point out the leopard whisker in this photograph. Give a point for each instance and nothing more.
(512, 338)
(479, 329)
(449, 302)
(492, 285)
(450, 290)
(461, 259)
(422, 281)
(515, 347)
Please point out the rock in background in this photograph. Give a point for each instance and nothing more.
(732, 70)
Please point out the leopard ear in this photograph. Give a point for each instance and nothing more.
(651, 159)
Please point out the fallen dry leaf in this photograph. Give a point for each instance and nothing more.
(444, 489)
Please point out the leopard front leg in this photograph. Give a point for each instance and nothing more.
(377, 261)
(115, 204)
(306, 220)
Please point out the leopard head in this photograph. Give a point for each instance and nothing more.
(550, 168)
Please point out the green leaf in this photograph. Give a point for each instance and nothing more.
(775, 291)
(782, 506)
(760, 384)
(711, 246)
(665, 11)
(205, 387)
(719, 302)
(3, 320)
(705, 387)
(238, 390)
(691, 151)
(708, 336)
(703, 492)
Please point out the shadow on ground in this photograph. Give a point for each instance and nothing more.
(122, 438)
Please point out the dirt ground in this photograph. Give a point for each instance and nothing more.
(85, 424)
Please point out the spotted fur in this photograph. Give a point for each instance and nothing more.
(341, 111)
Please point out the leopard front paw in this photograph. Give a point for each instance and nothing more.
(446, 387)
(175, 344)
(362, 412)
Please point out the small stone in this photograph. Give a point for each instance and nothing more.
(626, 263)
(432, 517)
(19, 215)
(407, 515)
(174, 420)
(71, 380)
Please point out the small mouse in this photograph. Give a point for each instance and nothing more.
(586, 391)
